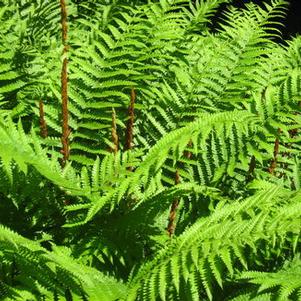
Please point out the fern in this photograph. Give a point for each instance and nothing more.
(219, 244)
(41, 271)
(284, 284)
(175, 122)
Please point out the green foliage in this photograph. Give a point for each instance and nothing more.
(215, 152)
(233, 237)
(285, 283)
(31, 268)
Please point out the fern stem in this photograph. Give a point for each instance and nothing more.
(273, 163)
(64, 86)
(173, 210)
(115, 138)
(43, 125)
(188, 154)
(130, 124)
(252, 166)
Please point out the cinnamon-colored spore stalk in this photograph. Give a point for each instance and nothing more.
(64, 86)
(173, 210)
(43, 125)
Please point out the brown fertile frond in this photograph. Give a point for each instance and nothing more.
(273, 164)
(173, 210)
(64, 86)
(43, 125)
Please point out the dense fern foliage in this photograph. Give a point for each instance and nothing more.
(147, 152)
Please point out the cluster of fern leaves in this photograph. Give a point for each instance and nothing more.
(148, 153)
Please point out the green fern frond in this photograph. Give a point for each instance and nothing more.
(230, 232)
(54, 270)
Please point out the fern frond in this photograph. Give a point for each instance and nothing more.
(283, 284)
(54, 270)
(230, 232)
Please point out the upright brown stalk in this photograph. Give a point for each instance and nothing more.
(252, 166)
(175, 204)
(43, 125)
(187, 153)
(273, 163)
(130, 124)
(173, 210)
(64, 86)
(115, 139)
